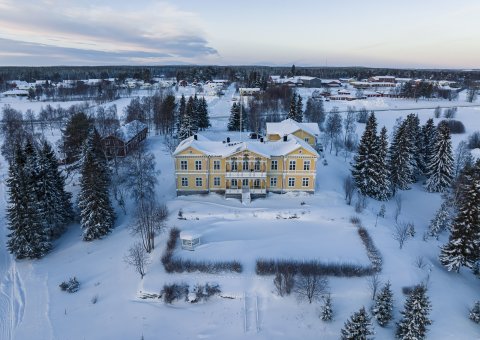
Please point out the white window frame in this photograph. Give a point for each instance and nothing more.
(183, 165)
(292, 165)
(274, 165)
(234, 165)
(291, 182)
(257, 184)
(216, 181)
(216, 165)
(245, 165)
(198, 165)
(305, 182)
(245, 180)
(306, 139)
(198, 180)
(273, 182)
(184, 181)
(306, 165)
(234, 186)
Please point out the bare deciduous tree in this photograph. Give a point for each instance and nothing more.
(149, 221)
(311, 287)
(349, 189)
(398, 206)
(141, 175)
(374, 283)
(138, 258)
(284, 282)
(401, 233)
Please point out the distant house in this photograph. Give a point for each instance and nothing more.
(308, 132)
(15, 93)
(125, 139)
(382, 79)
(249, 91)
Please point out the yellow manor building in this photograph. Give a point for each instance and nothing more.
(248, 168)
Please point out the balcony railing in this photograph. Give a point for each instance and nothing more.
(252, 191)
(246, 174)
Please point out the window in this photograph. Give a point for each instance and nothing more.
(305, 182)
(306, 165)
(234, 165)
(292, 165)
(216, 181)
(256, 184)
(183, 165)
(274, 165)
(273, 181)
(245, 165)
(184, 182)
(198, 165)
(306, 139)
(234, 183)
(291, 182)
(198, 182)
(257, 164)
(216, 165)
(244, 183)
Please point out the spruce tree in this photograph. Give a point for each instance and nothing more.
(429, 132)
(28, 237)
(441, 221)
(359, 327)
(54, 201)
(327, 313)
(234, 121)
(96, 212)
(364, 169)
(203, 119)
(182, 110)
(414, 322)
(191, 112)
(382, 191)
(474, 314)
(400, 159)
(299, 109)
(383, 307)
(292, 113)
(463, 247)
(440, 163)
(415, 137)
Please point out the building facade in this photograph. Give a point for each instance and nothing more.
(238, 168)
(125, 139)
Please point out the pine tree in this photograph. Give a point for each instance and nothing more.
(359, 327)
(292, 113)
(365, 161)
(383, 307)
(429, 132)
(299, 109)
(440, 163)
(327, 313)
(75, 133)
(400, 159)
(382, 191)
(27, 237)
(463, 247)
(474, 314)
(414, 322)
(191, 112)
(96, 212)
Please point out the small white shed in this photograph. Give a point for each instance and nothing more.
(189, 240)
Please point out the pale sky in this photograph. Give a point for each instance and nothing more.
(406, 33)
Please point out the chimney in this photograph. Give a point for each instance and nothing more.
(228, 139)
(261, 139)
(195, 137)
(285, 138)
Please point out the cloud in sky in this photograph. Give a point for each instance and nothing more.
(49, 32)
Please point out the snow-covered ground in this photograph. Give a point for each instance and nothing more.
(33, 307)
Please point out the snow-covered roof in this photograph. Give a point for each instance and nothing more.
(128, 131)
(189, 235)
(289, 126)
(223, 149)
(15, 93)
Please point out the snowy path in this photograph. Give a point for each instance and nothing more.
(251, 309)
